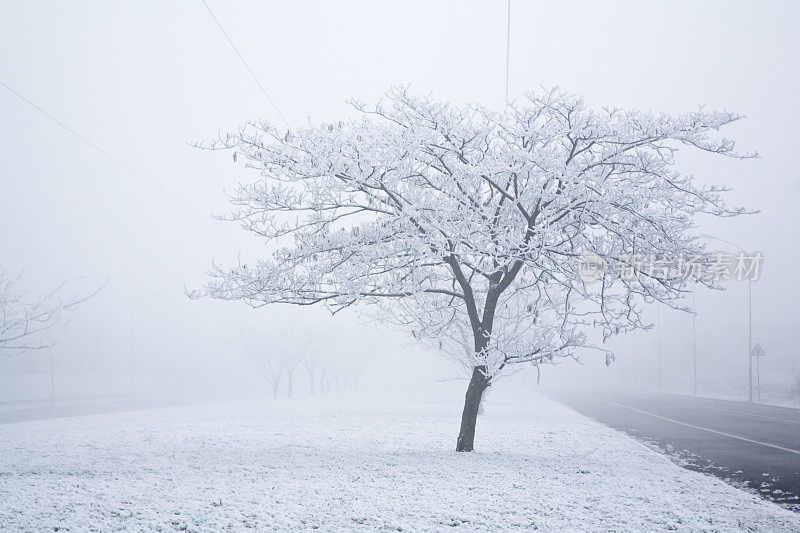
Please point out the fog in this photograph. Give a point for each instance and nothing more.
(140, 81)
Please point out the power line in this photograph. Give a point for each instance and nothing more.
(103, 152)
(246, 65)
(508, 45)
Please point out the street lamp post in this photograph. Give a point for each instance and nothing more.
(749, 320)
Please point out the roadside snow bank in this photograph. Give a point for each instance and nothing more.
(351, 463)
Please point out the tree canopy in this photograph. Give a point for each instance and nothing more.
(446, 217)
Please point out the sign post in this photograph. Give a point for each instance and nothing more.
(758, 353)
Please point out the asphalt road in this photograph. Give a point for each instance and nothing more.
(752, 444)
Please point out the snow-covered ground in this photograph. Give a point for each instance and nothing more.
(350, 463)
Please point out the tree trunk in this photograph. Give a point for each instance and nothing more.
(311, 380)
(289, 393)
(472, 403)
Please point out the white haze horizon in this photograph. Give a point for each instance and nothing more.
(142, 81)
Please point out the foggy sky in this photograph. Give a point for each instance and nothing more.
(142, 79)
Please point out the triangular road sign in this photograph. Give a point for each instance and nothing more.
(757, 351)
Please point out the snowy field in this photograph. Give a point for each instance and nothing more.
(346, 463)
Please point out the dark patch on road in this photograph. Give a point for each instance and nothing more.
(701, 434)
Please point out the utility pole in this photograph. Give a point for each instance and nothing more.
(508, 47)
(635, 362)
(750, 342)
(130, 348)
(749, 320)
(52, 378)
(658, 310)
(132, 363)
(694, 343)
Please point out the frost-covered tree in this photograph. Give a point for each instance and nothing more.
(452, 219)
(27, 318)
(276, 354)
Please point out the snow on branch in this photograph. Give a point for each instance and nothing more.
(438, 215)
(26, 319)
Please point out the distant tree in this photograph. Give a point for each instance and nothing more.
(291, 365)
(269, 363)
(438, 215)
(310, 363)
(27, 319)
(335, 373)
(277, 355)
(324, 380)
